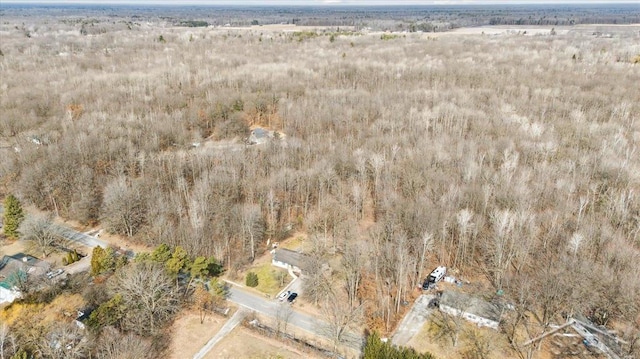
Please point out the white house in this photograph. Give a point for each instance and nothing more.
(8, 293)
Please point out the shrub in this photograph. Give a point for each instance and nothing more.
(252, 280)
(375, 348)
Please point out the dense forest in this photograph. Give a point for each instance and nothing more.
(432, 18)
(510, 158)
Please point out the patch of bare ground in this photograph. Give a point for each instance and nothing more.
(14, 247)
(189, 335)
(318, 341)
(506, 30)
(296, 241)
(244, 343)
(288, 28)
(425, 341)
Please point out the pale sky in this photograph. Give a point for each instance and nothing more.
(322, 2)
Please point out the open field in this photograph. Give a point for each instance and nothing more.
(584, 30)
(243, 343)
(189, 336)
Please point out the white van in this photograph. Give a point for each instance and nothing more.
(434, 277)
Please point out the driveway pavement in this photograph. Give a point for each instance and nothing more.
(233, 322)
(78, 237)
(413, 321)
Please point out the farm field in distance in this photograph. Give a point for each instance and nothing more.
(167, 172)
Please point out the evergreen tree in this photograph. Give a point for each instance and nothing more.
(161, 254)
(102, 260)
(199, 267)
(13, 216)
(97, 256)
(213, 267)
(179, 260)
(375, 348)
(252, 280)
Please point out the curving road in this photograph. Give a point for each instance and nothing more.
(71, 234)
(241, 297)
(78, 237)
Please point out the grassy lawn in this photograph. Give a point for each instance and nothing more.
(294, 243)
(270, 279)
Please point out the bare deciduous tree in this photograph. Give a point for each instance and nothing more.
(124, 207)
(114, 345)
(283, 316)
(341, 319)
(353, 263)
(39, 230)
(63, 341)
(148, 294)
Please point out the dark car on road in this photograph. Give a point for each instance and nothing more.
(292, 297)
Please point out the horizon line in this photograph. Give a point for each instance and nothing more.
(326, 3)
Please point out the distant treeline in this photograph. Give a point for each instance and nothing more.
(388, 18)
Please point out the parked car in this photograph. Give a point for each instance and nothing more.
(292, 297)
(284, 295)
(54, 273)
(434, 277)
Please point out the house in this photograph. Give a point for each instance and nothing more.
(15, 269)
(473, 309)
(593, 337)
(82, 316)
(259, 136)
(288, 259)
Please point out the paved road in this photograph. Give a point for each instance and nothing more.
(303, 321)
(78, 237)
(233, 322)
(246, 299)
(414, 320)
(73, 235)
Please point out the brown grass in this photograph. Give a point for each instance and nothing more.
(189, 336)
(243, 343)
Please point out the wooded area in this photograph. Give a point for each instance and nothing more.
(513, 158)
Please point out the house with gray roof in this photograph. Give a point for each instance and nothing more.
(16, 269)
(471, 308)
(259, 136)
(288, 259)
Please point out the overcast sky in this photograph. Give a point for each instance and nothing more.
(325, 2)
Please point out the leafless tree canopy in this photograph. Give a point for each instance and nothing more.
(513, 156)
(148, 295)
